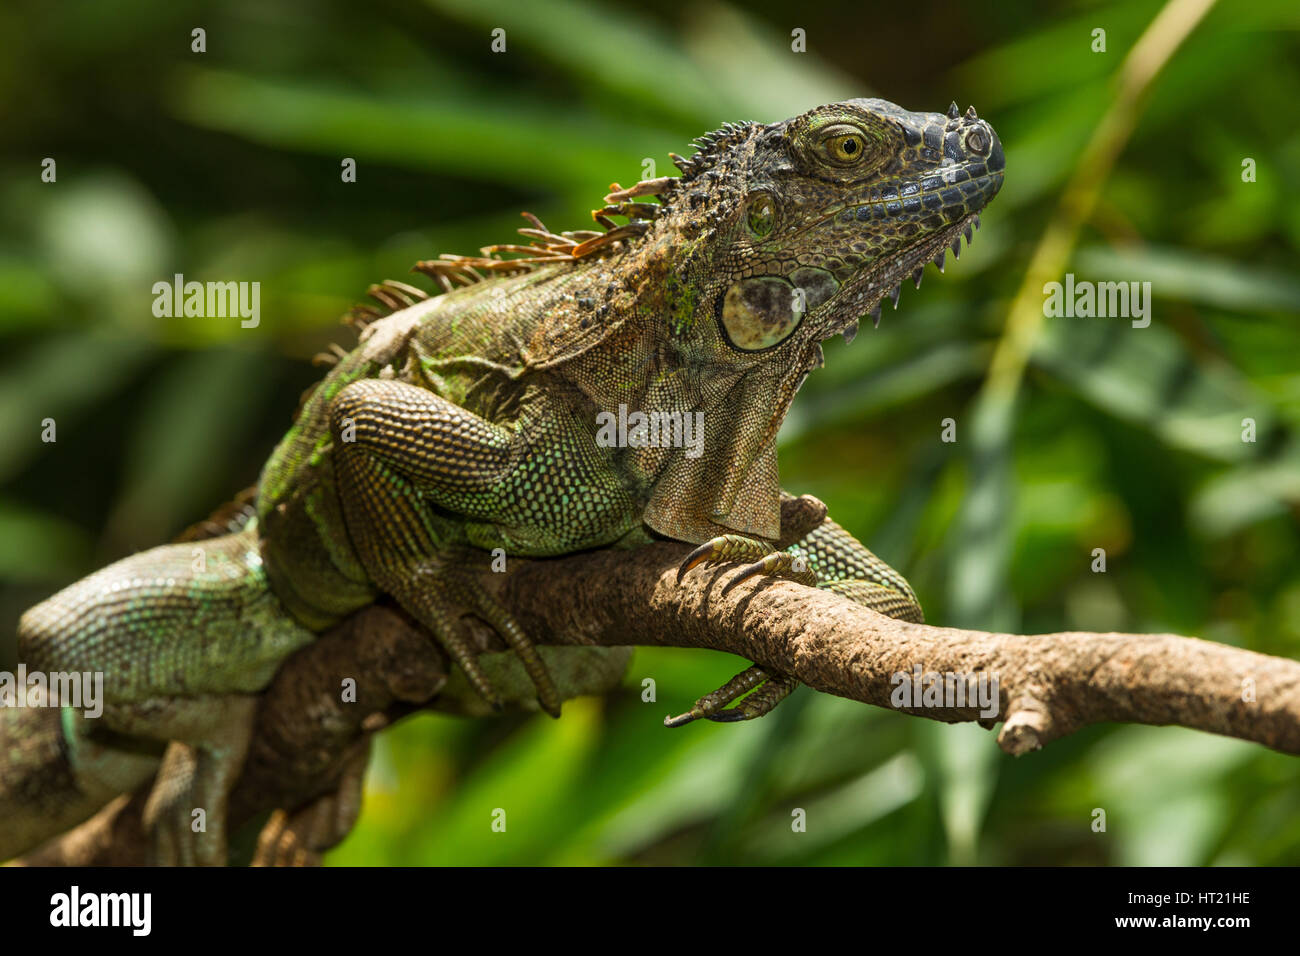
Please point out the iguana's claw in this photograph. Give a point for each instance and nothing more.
(711, 704)
(735, 547)
(548, 698)
(724, 550)
(772, 689)
(781, 564)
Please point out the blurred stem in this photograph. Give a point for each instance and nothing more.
(1172, 25)
(978, 596)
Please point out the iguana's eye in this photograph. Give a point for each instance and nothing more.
(761, 216)
(761, 312)
(844, 145)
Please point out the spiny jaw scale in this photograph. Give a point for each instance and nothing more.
(865, 294)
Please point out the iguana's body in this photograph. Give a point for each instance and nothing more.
(470, 420)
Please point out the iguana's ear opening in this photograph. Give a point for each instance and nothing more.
(760, 313)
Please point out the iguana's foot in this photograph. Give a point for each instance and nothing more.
(444, 600)
(772, 689)
(504, 623)
(298, 838)
(185, 814)
(730, 548)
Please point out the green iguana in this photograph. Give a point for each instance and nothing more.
(469, 421)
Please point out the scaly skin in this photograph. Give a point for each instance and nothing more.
(59, 769)
(470, 420)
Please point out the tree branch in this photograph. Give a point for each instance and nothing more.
(1048, 685)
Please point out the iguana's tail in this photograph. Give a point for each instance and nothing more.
(41, 794)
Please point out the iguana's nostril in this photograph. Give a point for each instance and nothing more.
(996, 161)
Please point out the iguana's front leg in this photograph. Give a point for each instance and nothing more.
(402, 449)
(826, 556)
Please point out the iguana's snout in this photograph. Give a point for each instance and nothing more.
(949, 167)
(915, 208)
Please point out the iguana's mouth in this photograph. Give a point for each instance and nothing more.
(866, 292)
(945, 188)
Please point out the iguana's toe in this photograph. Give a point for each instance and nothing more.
(447, 630)
(780, 564)
(760, 702)
(167, 810)
(441, 611)
(769, 688)
(299, 837)
(185, 814)
(729, 548)
(505, 624)
(772, 688)
(724, 549)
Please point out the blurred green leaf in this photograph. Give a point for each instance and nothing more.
(1147, 376)
(1178, 274)
(39, 548)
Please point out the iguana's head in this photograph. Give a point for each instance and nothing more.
(817, 219)
(773, 239)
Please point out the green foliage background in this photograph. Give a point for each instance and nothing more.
(226, 165)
